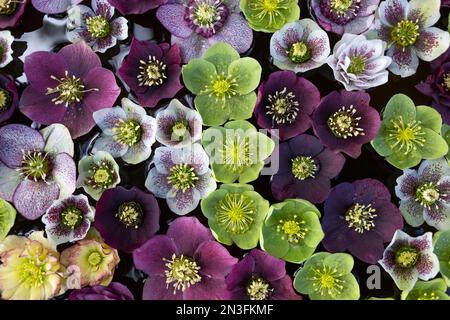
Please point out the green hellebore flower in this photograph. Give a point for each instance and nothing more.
(237, 151)
(409, 134)
(441, 242)
(269, 15)
(292, 230)
(327, 276)
(427, 290)
(235, 214)
(445, 133)
(7, 218)
(223, 83)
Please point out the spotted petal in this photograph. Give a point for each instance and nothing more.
(432, 43)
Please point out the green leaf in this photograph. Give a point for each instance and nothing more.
(197, 75)
(400, 105)
(7, 218)
(402, 161)
(213, 112)
(247, 74)
(241, 106)
(221, 55)
(429, 117)
(434, 147)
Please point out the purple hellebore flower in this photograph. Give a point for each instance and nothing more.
(195, 25)
(68, 220)
(10, 12)
(285, 103)
(425, 194)
(152, 71)
(408, 259)
(9, 97)
(359, 217)
(54, 6)
(181, 176)
(407, 27)
(437, 85)
(260, 276)
(67, 87)
(126, 219)
(136, 6)
(345, 16)
(305, 170)
(184, 264)
(35, 166)
(344, 121)
(96, 26)
(114, 291)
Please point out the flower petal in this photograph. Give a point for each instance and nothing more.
(432, 43)
(64, 174)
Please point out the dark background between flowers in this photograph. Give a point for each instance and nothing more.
(368, 165)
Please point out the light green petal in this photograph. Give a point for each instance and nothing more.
(302, 280)
(247, 73)
(197, 75)
(7, 218)
(379, 143)
(434, 147)
(298, 253)
(425, 289)
(304, 205)
(429, 118)
(400, 105)
(442, 250)
(249, 239)
(221, 55)
(208, 205)
(213, 112)
(241, 106)
(351, 288)
(243, 125)
(402, 161)
(237, 187)
(223, 174)
(271, 242)
(445, 133)
(251, 173)
(341, 261)
(219, 233)
(314, 234)
(412, 212)
(265, 145)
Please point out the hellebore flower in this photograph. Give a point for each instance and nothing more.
(195, 25)
(178, 126)
(181, 176)
(409, 134)
(115, 291)
(442, 250)
(344, 16)
(260, 276)
(128, 132)
(51, 6)
(285, 103)
(152, 71)
(184, 264)
(425, 194)
(35, 165)
(237, 151)
(407, 27)
(68, 220)
(125, 218)
(135, 6)
(96, 26)
(269, 15)
(97, 173)
(327, 276)
(235, 214)
(67, 87)
(30, 268)
(427, 290)
(359, 217)
(344, 121)
(6, 40)
(408, 259)
(223, 83)
(94, 260)
(11, 11)
(437, 85)
(7, 218)
(299, 46)
(9, 97)
(358, 63)
(305, 169)
(292, 230)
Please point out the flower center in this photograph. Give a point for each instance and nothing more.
(405, 33)
(303, 167)
(95, 258)
(71, 217)
(182, 177)
(446, 81)
(235, 213)
(206, 17)
(406, 257)
(258, 289)
(283, 106)
(344, 124)
(428, 296)
(128, 132)
(427, 194)
(357, 65)
(5, 100)
(327, 279)
(299, 52)
(35, 166)
(236, 153)
(70, 89)
(360, 217)
(101, 175)
(341, 7)
(405, 136)
(182, 272)
(270, 8)
(179, 130)
(292, 230)
(221, 87)
(130, 214)
(98, 27)
(34, 267)
(7, 7)
(152, 72)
